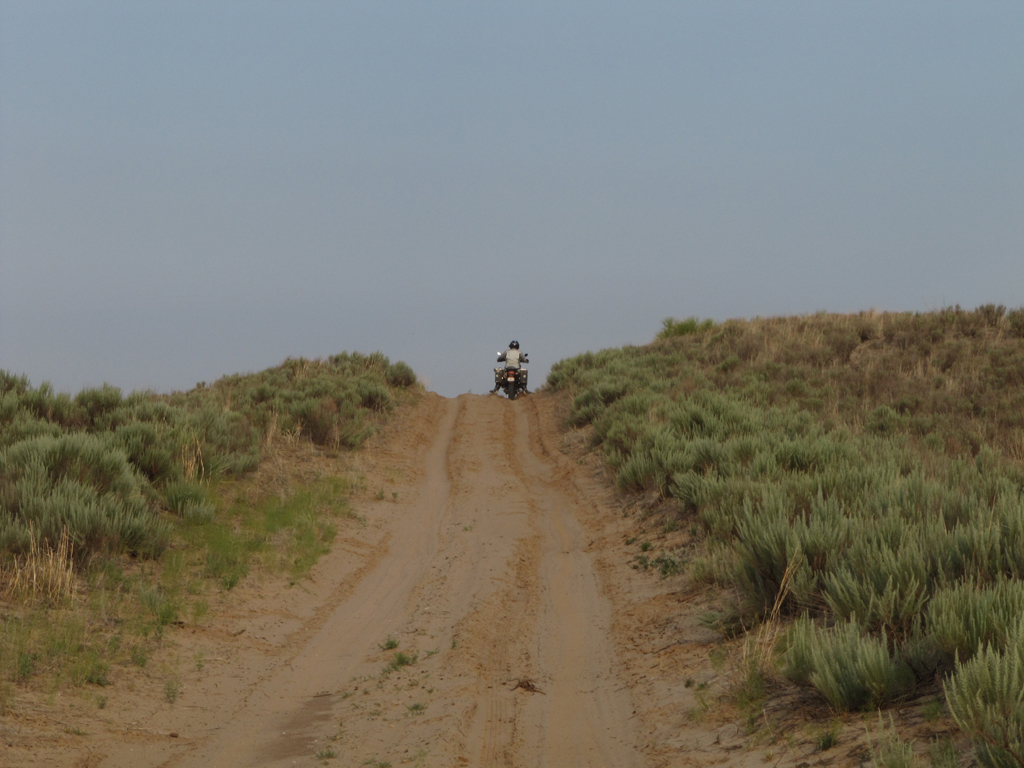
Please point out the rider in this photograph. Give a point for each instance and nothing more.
(512, 358)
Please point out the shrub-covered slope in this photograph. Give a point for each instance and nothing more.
(102, 465)
(864, 470)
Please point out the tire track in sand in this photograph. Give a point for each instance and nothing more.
(269, 729)
(553, 624)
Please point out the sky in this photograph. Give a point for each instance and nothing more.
(193, 189)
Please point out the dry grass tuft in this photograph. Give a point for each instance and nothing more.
(759, 649)
(43, 575)
(192, 460)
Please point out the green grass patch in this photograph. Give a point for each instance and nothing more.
(288, 531)
(398, 661)
(61, 644)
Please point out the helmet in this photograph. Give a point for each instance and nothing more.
(513, 344)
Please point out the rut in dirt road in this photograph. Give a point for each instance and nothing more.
(485, 584)
(550, 625)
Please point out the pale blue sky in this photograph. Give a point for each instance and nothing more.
(190, 189)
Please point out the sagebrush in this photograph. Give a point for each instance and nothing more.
(872, 462)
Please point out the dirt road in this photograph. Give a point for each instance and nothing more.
(481, 611)
(482, 577)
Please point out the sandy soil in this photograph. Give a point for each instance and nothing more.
(496, 559)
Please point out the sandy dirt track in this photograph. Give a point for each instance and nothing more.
(493, 553)
(484, 578)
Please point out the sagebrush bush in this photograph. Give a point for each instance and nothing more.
(850, 670)
(400, 375)
(102, 463)
(151, 448)
(986, 698)
(86, 480)
(1015, 321)
(182, 493)
(671, 327)
(969, 617)
(95, 404)
(77, 482)
(872, 460)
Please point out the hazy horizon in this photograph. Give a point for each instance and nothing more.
(194, 190)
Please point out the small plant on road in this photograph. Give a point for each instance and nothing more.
(404, 660)
(893, 752)
(399, 660)
(828, 738)
(172, 689)
(390, 643)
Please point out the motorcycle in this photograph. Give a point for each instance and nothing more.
(511, 380)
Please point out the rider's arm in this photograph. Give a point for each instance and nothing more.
(501, 358)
